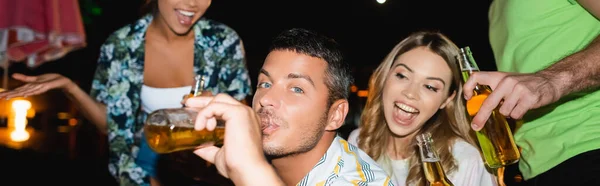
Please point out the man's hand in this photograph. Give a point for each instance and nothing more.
(518, 94)
(241, 157)
(187, 96)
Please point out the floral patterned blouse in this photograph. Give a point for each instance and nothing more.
(218, 55)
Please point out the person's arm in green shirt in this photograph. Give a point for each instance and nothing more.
(520, 93)
(592, 6)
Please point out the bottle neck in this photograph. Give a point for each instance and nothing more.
(466, 74)
(428, 153)
(198, 86)
(466, 63)
(432, 167)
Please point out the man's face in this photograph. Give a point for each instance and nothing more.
(291, 100)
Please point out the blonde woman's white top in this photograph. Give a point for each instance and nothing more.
(471, 170)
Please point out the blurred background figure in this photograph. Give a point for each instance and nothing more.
(146, 66)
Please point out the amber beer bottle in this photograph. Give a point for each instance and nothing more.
(169, 130)
(495, 139)
(434, 172)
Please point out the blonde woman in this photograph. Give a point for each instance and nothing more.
(416, 89)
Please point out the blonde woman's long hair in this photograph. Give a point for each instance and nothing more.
(445, 126)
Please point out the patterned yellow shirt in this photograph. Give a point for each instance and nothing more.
(345, 164)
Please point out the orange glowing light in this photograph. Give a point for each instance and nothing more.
(73, 122)
(363, 93)
(18, 120)
(353, 88)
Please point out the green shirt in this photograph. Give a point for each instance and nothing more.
(528, 36)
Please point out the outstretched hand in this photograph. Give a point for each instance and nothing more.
(37, 85)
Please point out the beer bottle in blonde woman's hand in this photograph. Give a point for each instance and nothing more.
(432, 167)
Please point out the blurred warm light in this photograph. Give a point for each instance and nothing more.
(63, 115)
(353, 88)
(73, 122)
(30, 113)
(19, 136)
(64, 129)
(363, 93)
(380, 1)
(20, 108)
(18, 120)
(518, 178)
(21, 105)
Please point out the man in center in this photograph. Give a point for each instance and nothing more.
(301, 100)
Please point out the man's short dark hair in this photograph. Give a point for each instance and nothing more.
(314, 44)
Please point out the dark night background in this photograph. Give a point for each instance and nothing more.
(366, 30)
